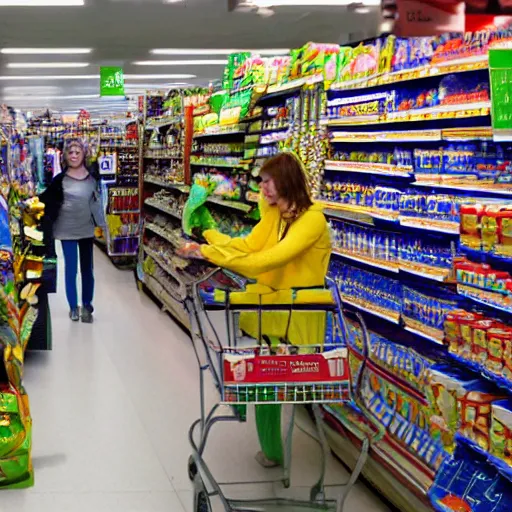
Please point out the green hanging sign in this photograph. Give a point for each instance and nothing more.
(500, 69)
(111, 81)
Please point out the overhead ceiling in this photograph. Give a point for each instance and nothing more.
(121, 32)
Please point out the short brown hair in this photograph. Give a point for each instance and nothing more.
(290, 180)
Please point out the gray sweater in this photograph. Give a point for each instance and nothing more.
(81, 210)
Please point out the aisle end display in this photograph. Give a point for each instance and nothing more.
(118, 165)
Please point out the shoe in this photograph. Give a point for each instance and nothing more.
(87, 312)
(74, 314)
(266, 463)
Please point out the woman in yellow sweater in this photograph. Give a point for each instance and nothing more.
(289, 248)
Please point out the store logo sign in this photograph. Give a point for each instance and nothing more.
(108, 164)
(111, 81)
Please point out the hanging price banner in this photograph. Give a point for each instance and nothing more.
(111, 81)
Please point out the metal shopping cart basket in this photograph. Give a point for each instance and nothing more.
(248, 370)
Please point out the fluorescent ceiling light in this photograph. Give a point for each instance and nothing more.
(32, 88)
(49, 77)
(30, 97)
(35, 65)
(41, 3)
(138, 87)
(45, 51)
(204, 62)
(315, 3)
(210, 51)
(159, 77)
(14, 78)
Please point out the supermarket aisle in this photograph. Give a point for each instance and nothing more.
(112, 405)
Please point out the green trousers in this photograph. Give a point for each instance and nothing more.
(268, 424)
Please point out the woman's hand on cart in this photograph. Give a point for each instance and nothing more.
(190, 250)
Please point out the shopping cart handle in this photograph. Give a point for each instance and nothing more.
(238, 277)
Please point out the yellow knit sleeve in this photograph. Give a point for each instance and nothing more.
(303, 234)
(213, 237)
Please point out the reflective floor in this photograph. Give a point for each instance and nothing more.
(112, 404)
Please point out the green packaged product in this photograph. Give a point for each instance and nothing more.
(217, 101)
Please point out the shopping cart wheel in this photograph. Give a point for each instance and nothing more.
(192, 468)
(202, 502)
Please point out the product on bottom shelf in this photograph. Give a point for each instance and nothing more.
(404, 416)
(466, 482)
(401, 410)
(460, 403)
(501, 434)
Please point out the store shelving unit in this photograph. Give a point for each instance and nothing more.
(21, 232)
(396, 232)
(395, 264)
(164, 188)
(119, 169)
(429, 128)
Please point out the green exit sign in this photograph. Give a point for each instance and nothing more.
(111, 81)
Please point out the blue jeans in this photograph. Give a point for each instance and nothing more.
(70, 249)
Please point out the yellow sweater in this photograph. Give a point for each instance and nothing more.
(299, 260)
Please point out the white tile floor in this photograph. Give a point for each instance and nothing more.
(112, 404)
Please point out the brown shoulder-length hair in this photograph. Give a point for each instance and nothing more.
(289, 177)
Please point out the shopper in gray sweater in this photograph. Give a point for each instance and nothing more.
(74, 208)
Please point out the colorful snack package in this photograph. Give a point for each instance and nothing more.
(507, 357)
(387, 49)
(458, 332)
(504, 245)
(479, 330)
(499, 340)
(475, 407)
(489, 228)
(444, 386)
(470, 223)
(295, 64)
(501, 431)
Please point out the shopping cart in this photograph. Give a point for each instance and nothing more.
(248, 370)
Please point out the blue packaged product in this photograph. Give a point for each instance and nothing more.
(468, 483)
